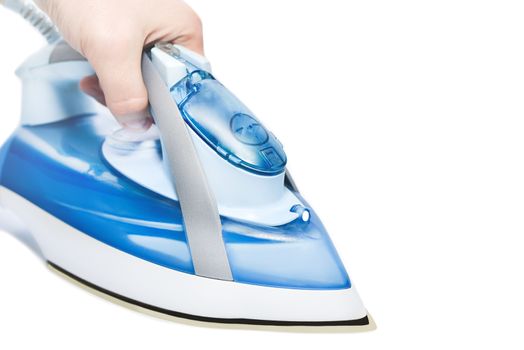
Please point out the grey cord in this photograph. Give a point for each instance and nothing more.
(38, 19)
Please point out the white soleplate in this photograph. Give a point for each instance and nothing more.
(164, 288)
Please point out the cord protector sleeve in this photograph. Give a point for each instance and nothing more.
(199, 208)
(38, 19)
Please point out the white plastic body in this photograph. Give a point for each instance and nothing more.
(240, 194)
(168, 289)
(172, 71)
(51, 91)
(191, 56)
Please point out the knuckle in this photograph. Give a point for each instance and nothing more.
(128, 106)
(194, 24)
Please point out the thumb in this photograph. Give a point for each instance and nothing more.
(118, 67)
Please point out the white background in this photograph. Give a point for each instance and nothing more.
(403, 122)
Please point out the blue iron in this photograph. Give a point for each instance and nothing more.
(197, 218)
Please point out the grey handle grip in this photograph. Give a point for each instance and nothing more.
(199, 208)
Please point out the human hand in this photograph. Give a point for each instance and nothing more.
(111, 34)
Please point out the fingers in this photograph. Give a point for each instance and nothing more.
(114, 49)
(91, 86)
(117, 64)
(179, 25)
(193, 39)
(195, 44)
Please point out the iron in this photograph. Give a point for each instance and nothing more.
(196, 218)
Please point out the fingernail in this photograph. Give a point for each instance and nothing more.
(139, 124)
(127, 138)
(139, 121)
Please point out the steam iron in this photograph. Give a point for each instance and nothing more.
(198, 218)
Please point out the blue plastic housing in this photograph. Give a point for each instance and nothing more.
(3, 154)
(60, 168)
(227, 125)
